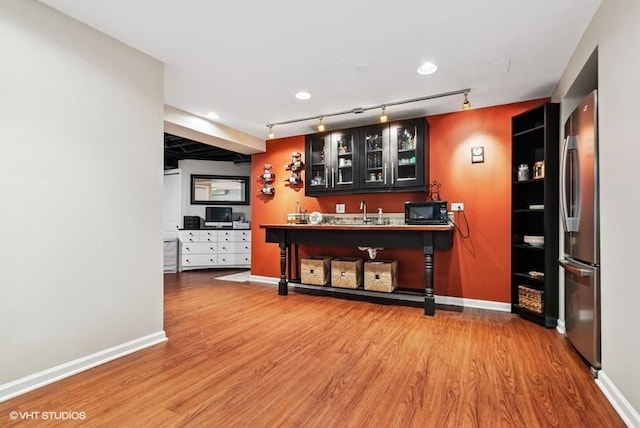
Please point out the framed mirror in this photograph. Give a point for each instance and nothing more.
(219, 189)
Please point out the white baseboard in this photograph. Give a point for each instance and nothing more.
(629, 415)
(473, 303)
(54, 374)
(442, 300)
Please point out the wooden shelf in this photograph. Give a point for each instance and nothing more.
(535, 137)
(529, 277)
(400, 296)
(528, 247)
(528, 131)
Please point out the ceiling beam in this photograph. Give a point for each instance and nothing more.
(187, 125)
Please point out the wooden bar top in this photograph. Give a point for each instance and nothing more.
(360, 227)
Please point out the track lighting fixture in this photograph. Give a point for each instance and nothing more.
(383, 115)
(466, 105)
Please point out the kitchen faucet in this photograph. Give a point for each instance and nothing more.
(363, 207)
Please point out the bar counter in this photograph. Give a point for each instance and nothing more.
(425, 237)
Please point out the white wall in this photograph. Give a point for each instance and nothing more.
(80, 194)
(191, 166)
(614, 31)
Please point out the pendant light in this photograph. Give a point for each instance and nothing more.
(383, 115)
(320, 125)
(271, 135)
(466, 105)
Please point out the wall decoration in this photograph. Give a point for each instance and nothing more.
(295, 166)
(434, 191)
(267, 177)
(219, 189)
(477, 154)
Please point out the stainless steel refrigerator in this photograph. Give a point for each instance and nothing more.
(579, 207)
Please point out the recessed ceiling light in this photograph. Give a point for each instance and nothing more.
(427, 68)
(213, 115)
(302, 95)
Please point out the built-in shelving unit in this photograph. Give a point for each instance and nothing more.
(534, 212)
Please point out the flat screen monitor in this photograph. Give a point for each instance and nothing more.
(218, 216)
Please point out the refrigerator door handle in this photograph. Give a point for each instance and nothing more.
(575, 270)
(570, 220)
(563, 184)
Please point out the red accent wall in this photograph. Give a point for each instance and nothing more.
(477, 267)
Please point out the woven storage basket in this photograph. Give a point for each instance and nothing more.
(530, 299)
(381, 275)
(346, 272)
(315, 270)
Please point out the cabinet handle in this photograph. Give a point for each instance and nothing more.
(326, 178)
(333, 178)
(385, 173)
(393, 179)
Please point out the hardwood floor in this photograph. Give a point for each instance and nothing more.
(239, 355)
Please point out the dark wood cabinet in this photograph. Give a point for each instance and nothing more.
(374, 158)
(318, 163)
(374, 162)
(407, 145)
(534, 214)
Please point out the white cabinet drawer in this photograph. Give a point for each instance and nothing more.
(234, 236)
(189, 235)
(210, 234)
(234, 247)
(234, 259)
(197, 237)
(198, 248)
(205, 260)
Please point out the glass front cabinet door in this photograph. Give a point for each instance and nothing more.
(333, 165)
(375, 162)
(345, 156)
(407, 147)
(317, 174)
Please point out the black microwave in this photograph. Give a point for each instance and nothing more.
(429, 212)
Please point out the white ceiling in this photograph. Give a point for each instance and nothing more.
(245, 60)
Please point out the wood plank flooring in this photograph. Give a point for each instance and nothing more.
(239, 355)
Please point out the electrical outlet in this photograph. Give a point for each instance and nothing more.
(457, 206)
(339, 208)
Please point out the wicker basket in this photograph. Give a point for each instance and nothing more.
(530, 299)
(381, 275)
(315, 270)
(346, 272)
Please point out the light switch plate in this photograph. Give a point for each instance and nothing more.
(339, 208)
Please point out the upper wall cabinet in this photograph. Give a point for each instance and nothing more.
(332, 162)
(376, 158)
